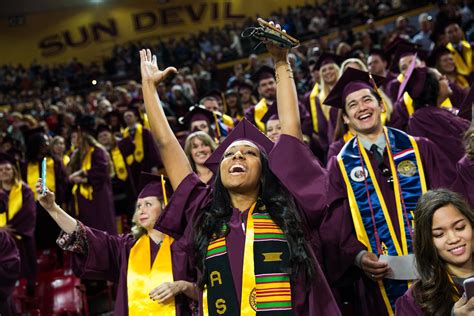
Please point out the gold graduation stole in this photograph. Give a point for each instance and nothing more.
(227, 120)
(409, 101)
(71, 150)
(312, 105)
(119, 164)
(348, 136)
(66, 160)
(463, 63)
(85, 189)
(138, 142)
(265, 284)
(146, 122)
(260, 109)
(15, 202)
(33, 174)
(141, 279)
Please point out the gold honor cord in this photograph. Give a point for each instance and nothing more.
(312, 104)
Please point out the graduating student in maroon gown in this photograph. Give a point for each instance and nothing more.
(90, 173)
(198, 148)
(19, 217)
(9, 266)
(148, 266)
(429, 88)
(443, 249)
(399, 166)
(236, 230)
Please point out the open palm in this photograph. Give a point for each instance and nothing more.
(149, 68)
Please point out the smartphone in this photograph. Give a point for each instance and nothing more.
(43, 175)
(469, 287)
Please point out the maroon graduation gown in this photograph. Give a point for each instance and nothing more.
(442, 127)
(338, 238)
(335, 148)
(151, 157)
(464, 183)
(9, 271)
(192, 196)
(24, 225)
(107, 259)
(99, 212)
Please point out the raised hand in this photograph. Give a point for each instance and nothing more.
(278, 53)
(149, 68)
(47, 198)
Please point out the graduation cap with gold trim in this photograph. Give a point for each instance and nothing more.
(196, 113)
(154, 185)
(403, 50)
(352, 80)
(243, 131)
(327, 58)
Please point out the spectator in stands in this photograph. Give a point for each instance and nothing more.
(423, 37)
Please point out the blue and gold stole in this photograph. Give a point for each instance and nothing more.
(372, 222)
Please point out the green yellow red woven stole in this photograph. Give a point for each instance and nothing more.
(266, 288)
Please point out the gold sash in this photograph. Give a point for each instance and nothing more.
(66, 160)
(312, 104)
(248, 273)
(260, 109)
(409, 101)
(227, 120)
(463, 65)
(85, 189)
(141, 279)
(33, 174)
(138, 141)
(15, 202)
(119, 164)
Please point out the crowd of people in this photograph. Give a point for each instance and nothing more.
(290, 186)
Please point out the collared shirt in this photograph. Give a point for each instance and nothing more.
(381, 143)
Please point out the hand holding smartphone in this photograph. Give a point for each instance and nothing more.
(469, 287)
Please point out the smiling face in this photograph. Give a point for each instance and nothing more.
(6, 172)
(267, 88)
(147, 212)
(362, 112)
(329, 74)
(273, 130)
(452, 236)
(241, 167)
(200, 151)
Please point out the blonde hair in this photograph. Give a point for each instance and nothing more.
(137, 229)
(188, 145)
(87, 141)
(355, 61)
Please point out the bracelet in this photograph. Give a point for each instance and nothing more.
(287, 68)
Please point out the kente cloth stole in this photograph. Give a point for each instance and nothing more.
(407, 99)
(260, 109)
(85, 189)
(266, 288)
(33, 174)
(119, 163)
(312, 105)
(138, 153)
(409, 184)
(463, 63)
(15, 202)
(142, 277)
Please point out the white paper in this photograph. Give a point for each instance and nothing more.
(403, 267)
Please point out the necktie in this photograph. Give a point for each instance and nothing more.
(377, 156)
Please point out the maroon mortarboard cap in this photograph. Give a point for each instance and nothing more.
(103, 128)
(6, 158)
(272, 114)
(403, 50)
(86, 123)
(243, 131)
(391, 47)
(196, 113)
(152, 185)
(414, 81)
(30, 133)
(327, 58)
(264, 72)
(436, 54)
(351, 80)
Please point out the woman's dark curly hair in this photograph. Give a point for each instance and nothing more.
(429, 94)
(280, 206)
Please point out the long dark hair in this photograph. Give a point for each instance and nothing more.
(280, 206)
(434, 291)
(430, 92)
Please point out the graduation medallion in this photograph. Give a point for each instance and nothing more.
(406, 168)
(253, 299)
(359, 174)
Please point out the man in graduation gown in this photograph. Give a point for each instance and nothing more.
(138, 148)
(266, 87)
(376, 178)
(9, 268)
(460, 49)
